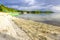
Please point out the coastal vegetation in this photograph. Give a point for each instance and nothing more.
(13, 11)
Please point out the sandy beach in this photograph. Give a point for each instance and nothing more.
(13, 28)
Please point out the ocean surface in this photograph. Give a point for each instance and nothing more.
(53, 18)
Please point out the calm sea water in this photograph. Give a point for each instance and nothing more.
(53, 18)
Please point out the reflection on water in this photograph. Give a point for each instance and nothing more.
(53, 18)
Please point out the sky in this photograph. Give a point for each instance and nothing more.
(53, 5)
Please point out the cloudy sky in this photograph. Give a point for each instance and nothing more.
(53, 5)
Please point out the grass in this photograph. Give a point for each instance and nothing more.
(14, 14)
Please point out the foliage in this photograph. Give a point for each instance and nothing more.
(11, 11)
(15, 12)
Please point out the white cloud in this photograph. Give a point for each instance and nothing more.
(30, 2)
(34, 5)
(27, 5)
(56, 8)
(31, 7)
